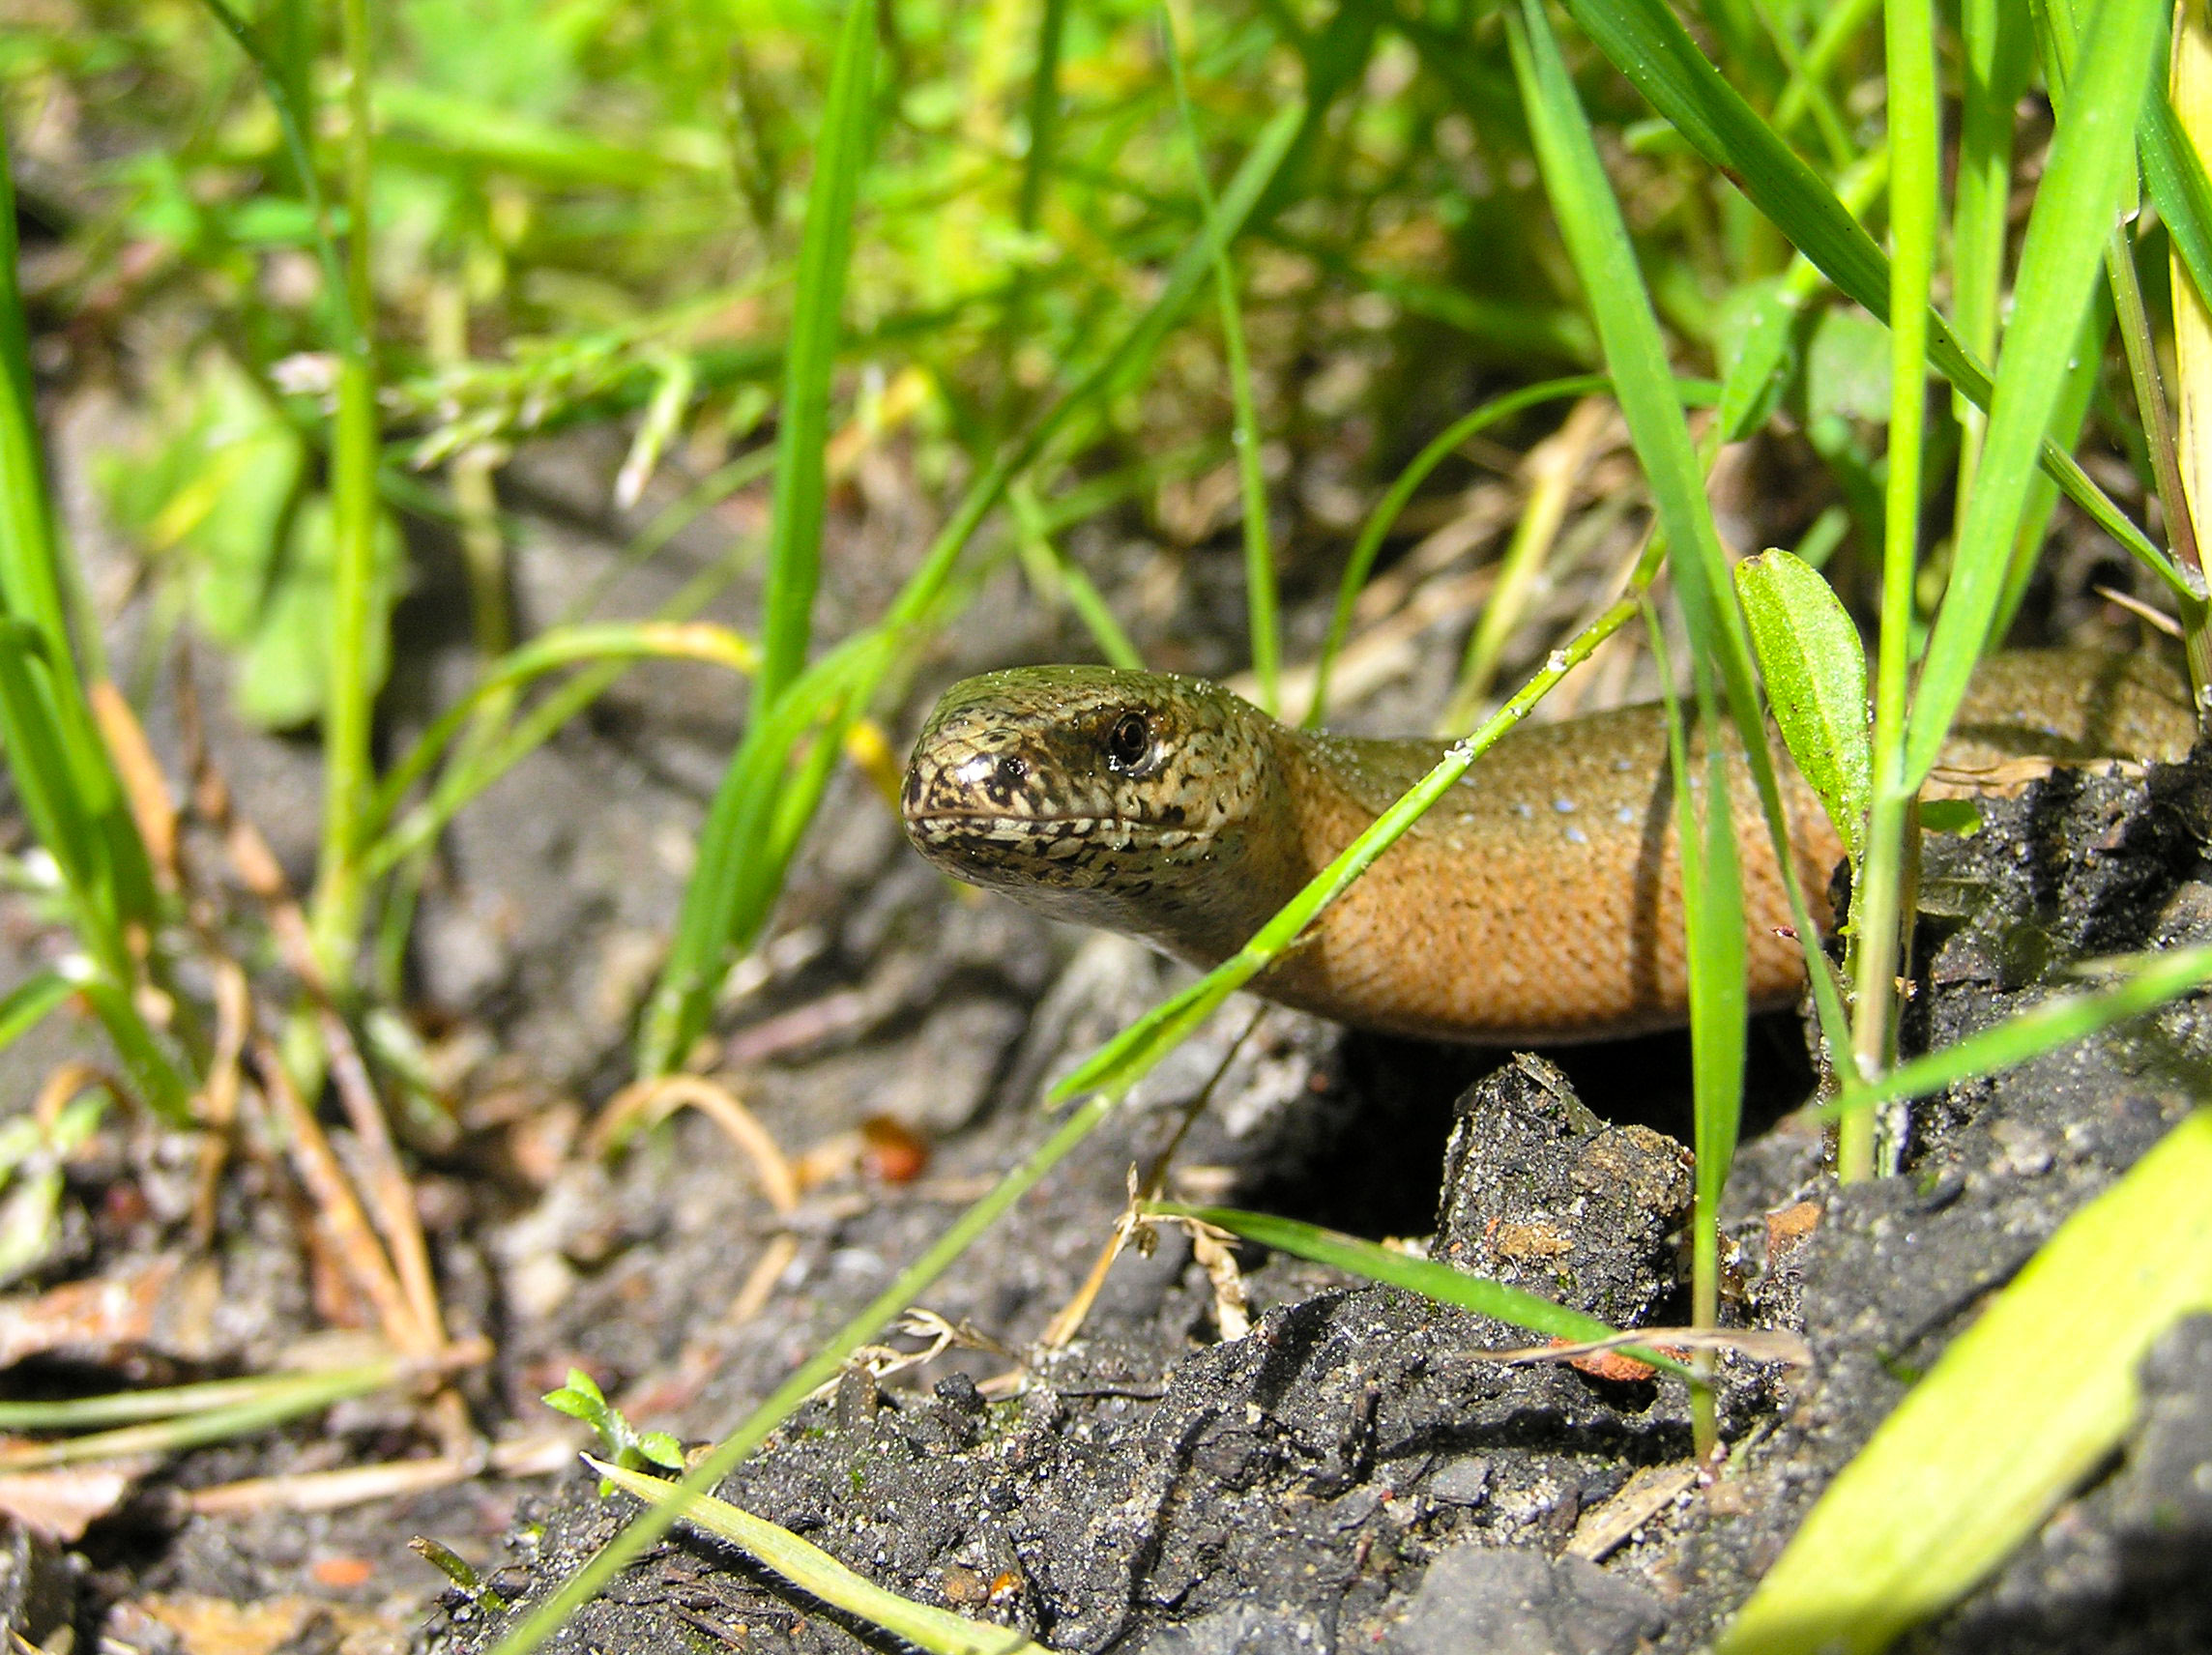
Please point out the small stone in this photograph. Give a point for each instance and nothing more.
(1508, 1601)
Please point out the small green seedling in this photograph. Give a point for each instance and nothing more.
(32, 1154)
(627, 1446)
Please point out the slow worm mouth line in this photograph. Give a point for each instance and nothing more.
(971, 821)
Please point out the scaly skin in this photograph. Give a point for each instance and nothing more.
(1538, 902)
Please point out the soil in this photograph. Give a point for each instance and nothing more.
(1351, 1473)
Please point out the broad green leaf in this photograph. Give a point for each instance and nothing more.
(1815, 675)
(283, 678)
(2024, 1404)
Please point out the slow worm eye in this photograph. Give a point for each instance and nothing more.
(1130, 744)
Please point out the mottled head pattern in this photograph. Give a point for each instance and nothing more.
(1111, 798)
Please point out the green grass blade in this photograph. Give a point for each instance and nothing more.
(160, 1086)
(2150, 980)
(1998, 48)
(819, 1575)
(192, 1430)
(1647, 45)
(1597, 240)
(45, 783)
(104, 859)
(26, 1006)
(2091, 167)
(795, 533)
(1423, 1276)
(2175, 173)
(2022, 1406)
(1715, 950)
(1880, 922)
(727, 899)
(169, 1401)
(1259, 554)
(734, 843)
(357, 604)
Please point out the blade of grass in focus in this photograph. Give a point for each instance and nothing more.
(2091, 166)
(1648, 44)
(1881, 908)
(1715, 952)
(1996, 43)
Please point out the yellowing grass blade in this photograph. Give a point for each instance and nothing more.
(2017, 1410)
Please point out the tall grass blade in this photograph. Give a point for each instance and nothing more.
(1880, 918)
(356, 602)
(2091, 167)
(1998, 48)
(729, 894)
(1651, 48)
(101, 857)
(1258, 555)
(795, 533)
(2174, 174)
(1720, 1000)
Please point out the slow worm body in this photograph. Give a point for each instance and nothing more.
(1538, 902)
